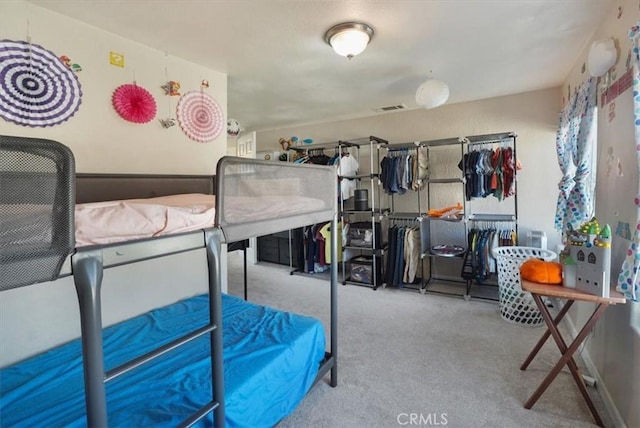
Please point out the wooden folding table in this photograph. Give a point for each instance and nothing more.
(571, 295)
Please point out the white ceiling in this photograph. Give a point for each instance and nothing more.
(281, 73)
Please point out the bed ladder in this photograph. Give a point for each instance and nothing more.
(88, 268)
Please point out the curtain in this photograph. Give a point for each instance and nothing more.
(629, 278)
(574, 143)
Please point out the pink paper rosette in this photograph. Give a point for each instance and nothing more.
(134, 103)
(200, 116)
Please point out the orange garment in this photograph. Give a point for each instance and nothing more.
(440, 212)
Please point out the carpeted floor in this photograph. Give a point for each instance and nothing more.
(402, 355)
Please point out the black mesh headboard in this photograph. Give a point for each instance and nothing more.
(36, 209)
(113, 187)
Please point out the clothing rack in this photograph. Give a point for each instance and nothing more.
(420, 225)
(443, 265)
(365, 259)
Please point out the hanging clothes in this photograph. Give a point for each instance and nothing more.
(489, 172)
(325, 231)
(402, 170)
(411, 254)
(347, 167)
(481, 242)
(403, 257)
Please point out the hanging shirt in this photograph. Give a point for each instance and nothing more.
(348, 167)
(325, 231)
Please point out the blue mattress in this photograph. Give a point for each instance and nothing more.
(271, 360)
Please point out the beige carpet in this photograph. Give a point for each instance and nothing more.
(403, 355)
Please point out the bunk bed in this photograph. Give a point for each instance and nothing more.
(240, 364)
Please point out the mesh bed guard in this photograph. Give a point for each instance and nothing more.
(257, 197)
(36, 209)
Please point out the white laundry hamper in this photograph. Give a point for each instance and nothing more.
(517, 306)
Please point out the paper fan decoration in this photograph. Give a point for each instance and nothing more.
(134, 103)
(200, 116)
(36, 87)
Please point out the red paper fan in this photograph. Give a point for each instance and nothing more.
(134, 103)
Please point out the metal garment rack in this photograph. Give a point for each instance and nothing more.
(427, 224)
(308, 149)
(375, 213)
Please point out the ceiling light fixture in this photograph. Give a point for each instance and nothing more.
(349, 38)
(432, 93)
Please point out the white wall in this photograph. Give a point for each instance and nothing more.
(38, 317)
(614, 347)
(41, 316)
(99, 138)
(532, 115)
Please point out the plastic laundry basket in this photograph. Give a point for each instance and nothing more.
(515, 305)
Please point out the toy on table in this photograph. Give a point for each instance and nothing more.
(590, 249)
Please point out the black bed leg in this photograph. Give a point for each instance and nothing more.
(87, 276)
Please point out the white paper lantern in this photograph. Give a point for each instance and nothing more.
(602, 56)
(432, 93)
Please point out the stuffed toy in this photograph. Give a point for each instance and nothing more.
(536, 270)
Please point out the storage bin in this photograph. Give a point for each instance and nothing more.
(361, 235)
(515, 305)
(362, 269)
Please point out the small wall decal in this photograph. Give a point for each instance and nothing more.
(172, 88)
(116, 59)
(612, 111)
(168, 122)
(73, 66)
(623, 230)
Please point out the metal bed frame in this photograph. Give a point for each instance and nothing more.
(86, 264)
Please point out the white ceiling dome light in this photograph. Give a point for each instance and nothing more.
(349, 38)
(602, 56)
(432, 93)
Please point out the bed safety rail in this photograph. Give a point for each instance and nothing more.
(36, 210)
(258, 197)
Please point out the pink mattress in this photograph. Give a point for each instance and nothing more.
(117, 221)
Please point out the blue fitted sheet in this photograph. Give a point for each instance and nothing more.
(271, 359)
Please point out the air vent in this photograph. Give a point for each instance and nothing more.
(390, 108)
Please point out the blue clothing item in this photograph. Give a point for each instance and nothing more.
(311, 250)
(393, 183)
(391, 261)
(399, 258)
(400, 168)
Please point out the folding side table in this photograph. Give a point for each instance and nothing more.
(571, 295)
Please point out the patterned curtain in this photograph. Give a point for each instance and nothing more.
(629, 278)
(574, 143)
